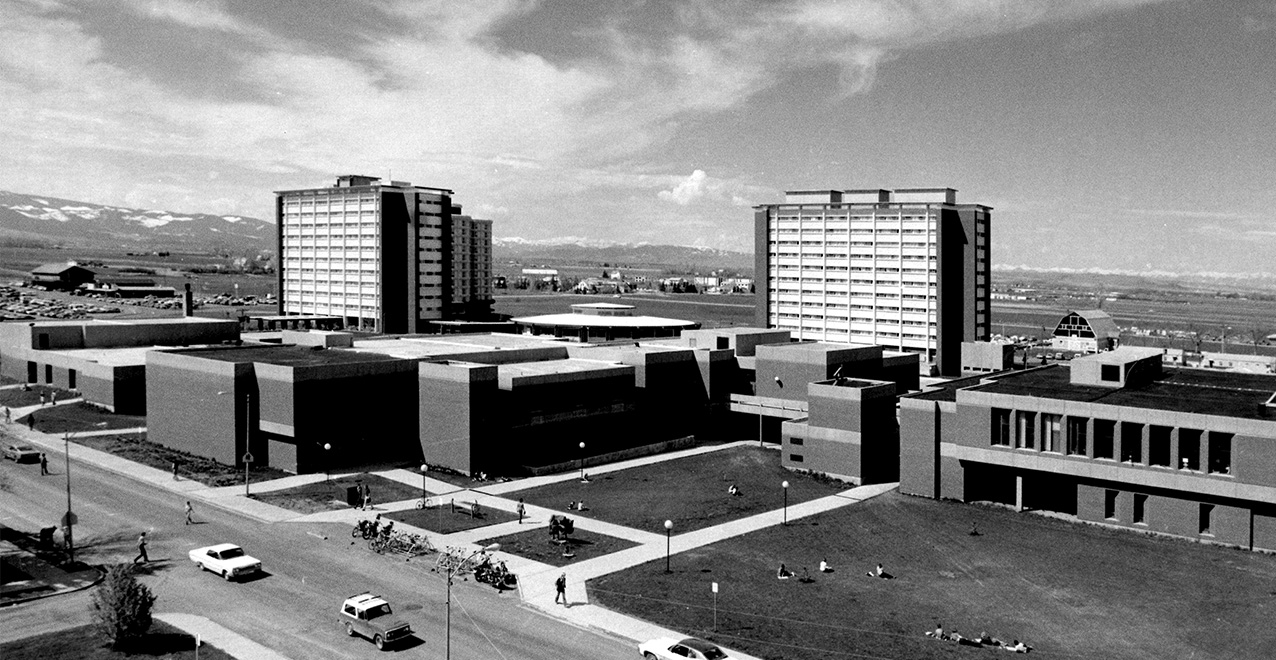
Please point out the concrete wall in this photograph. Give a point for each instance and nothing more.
(454, 407)
(199, 405)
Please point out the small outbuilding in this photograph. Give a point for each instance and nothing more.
(1087, 331)
(61, 276)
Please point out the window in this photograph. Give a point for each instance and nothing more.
(1076, 436)
(1104, 436)
(1026, 421)
(1159, 446)
(1109, 504)
(1110, 373)
(1220, 453)
(1050, 432)
(70, 380)
(1140, 509)
(796, 458)
(795, 441)
(1000, 427)
(1131, 442)
(1207, 512)
(1189, 449)
(48, 374)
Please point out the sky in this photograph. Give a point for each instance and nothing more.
(1135, 135)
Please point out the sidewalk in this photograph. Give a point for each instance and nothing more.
(37, 577)
(535, 580)
(217, 635)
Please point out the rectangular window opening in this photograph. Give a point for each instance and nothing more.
(1159, 446)
(1140, 509)
(1027, 422)
(1000, 427)
(1220, 461)
(1050, 432)
(1207, 512)
(1104, 438)
(1077, 436)
(1189, 450)
(796, 458)
(1131, 442)
(1109, 504)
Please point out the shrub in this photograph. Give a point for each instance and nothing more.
(122, 606)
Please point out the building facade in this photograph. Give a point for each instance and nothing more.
(384, 257)
(908, 269)
(1113, 438)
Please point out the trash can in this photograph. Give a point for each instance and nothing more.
(353, 498)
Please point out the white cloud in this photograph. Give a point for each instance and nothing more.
(688, 190)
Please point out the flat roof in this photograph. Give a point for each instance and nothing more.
(588, 320)
(602, 305)
(112, 357)
(816, 346)
(547, 367)
(1199, 391)
(176, 320)
(421, 347)
(288, 356)
(936, 389)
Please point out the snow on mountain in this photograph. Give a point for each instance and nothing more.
(70, 222)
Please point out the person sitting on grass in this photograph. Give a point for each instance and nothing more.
(733, 490)
(824, 567)
(955, 637)
(783, 573)
(1018, 647)
(806, 577)
(937, 633)
(879, 573)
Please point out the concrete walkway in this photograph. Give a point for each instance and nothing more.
(535, 579)
(223, 638)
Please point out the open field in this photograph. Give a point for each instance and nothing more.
(330, 494)
(1069, 590)
(691, 491)
(84, 643)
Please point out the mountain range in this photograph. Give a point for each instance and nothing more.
(39, 220)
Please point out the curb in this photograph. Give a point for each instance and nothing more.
(19, 601)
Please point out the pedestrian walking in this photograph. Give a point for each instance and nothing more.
(42, 399)
(8, 417)
(141, 549)
(31, 421)
(367, 497)
(522, 510)
(190, 510)
(44, 464)
(53, 398)
(174, 470)
(561, 585)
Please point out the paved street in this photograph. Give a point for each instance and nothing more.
(293, 609)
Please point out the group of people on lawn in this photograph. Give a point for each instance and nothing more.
(983, 639)
(784, 573)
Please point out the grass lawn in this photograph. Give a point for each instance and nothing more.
(535, 544)
(135, 447)
(331, 495)
(17, 398)
(1069, 590)
(445, 521)
(691, 491)
(83, 417)
(84, 643)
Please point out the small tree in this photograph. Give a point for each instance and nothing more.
(122, 606)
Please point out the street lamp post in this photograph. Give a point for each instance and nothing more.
(424, 468)
(327, 462)
(70, 519)
(785, 485)
(450, 574)
(582, 462)
(668, 530)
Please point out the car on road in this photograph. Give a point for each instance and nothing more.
(20, 453)
(226, 559)
(371, 617)
(667, 648)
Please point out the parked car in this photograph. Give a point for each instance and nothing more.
(666, 648)
(20, 453)
(371, 617)
(227, 560)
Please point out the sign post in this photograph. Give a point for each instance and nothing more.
(715, 606)
(248, 458)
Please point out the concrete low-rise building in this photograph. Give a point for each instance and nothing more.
(602, 322)
(1112, 438)
(104, 360)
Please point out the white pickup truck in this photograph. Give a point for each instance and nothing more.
(227, 560)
